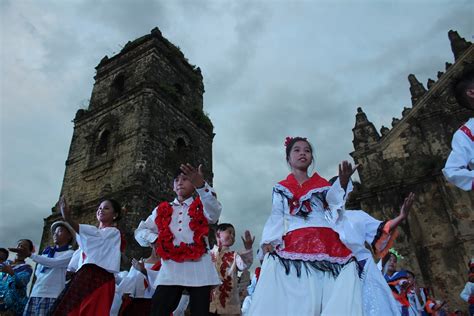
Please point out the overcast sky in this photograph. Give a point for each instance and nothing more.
(271, 69)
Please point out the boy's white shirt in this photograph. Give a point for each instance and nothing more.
(51, 282)
(199, 272)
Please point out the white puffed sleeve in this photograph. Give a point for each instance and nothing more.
(336, 196)
(274, 228)
(212, 207)
(147, 232)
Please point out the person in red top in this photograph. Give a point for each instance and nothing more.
(307, 270)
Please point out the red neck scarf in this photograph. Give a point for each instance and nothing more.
(300, 191)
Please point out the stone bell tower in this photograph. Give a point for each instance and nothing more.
(145, 118)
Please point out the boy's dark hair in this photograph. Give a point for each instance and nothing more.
(461, 85)
(117, 208)
(5, 251)
(177, 173)
(224, 226)
(30, 243)
(387, 257)
(292, 142)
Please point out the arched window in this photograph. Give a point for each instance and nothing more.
(103, 142)
(118, 86)
(180, 144)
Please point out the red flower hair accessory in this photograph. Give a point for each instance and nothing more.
(288, 139)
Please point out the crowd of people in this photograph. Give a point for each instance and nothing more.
(316, 256)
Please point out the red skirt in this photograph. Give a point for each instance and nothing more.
(315, 244)
(91, 292)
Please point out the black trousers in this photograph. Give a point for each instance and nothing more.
(166, 299)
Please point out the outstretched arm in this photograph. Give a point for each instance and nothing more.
(404, 211)
(66, 213)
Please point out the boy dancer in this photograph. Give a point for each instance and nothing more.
(179, 231)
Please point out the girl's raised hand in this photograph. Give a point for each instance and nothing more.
(196, 176)
(407, 204)
(248, 240)
(345, 173)
(64, 207)
(66, 213)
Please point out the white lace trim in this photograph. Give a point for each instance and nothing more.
(313, 257)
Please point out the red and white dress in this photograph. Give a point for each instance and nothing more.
(182, 240)
(225, 298)
(92, 289)
(459, 168)
(311, 272)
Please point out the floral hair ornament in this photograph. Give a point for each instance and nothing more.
(399, 256)
(288, 140)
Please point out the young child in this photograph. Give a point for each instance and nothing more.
(416, 297)
(50, 270)
(225, 298)
(307, 269)
(459, 168)
(397, 280)
(179, 230)
(92, 289)
(17, 275)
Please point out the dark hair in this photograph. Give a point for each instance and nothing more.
(5, 252)
(292, 142)
(224, 226)
(29, 242)
(461, 85)
(117, 208)
(177, 173)
(71, 241)
(387, 257)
